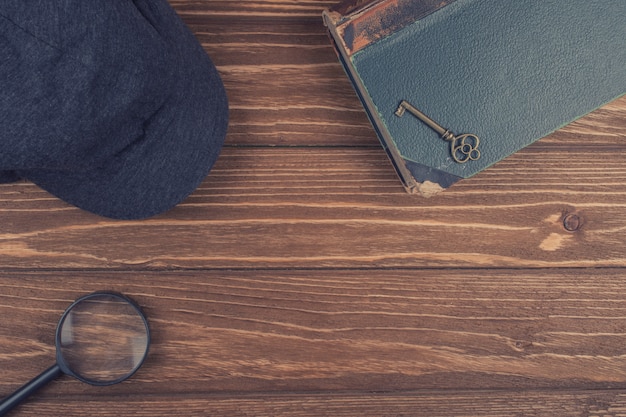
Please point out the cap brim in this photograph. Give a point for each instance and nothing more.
(181, 143)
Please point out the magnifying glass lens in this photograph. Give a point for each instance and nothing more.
(102, 339)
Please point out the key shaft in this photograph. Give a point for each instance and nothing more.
(405, 105)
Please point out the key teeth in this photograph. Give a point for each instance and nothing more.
(400, 111)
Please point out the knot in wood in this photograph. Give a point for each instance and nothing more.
(572, 222)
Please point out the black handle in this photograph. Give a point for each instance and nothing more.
(20, 395)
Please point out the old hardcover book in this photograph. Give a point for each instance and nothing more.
(453, 86)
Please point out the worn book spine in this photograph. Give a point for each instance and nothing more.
(355, 24)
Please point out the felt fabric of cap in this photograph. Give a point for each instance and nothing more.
(111, 105)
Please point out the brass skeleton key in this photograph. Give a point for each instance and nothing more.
(463, 147)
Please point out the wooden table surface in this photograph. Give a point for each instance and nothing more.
(301, 280)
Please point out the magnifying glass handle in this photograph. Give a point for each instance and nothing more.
(20, 395)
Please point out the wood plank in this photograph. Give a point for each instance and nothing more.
(275, 9)
(343, 207)
(339, 330)
(446, 404)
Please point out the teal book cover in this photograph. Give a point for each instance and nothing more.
(454, 86)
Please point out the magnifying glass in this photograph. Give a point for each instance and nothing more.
(101, 339)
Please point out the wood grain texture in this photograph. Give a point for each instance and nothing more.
(301, 280)
(282, 77)
(345, 330)
(433, 404)
(343, 207)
